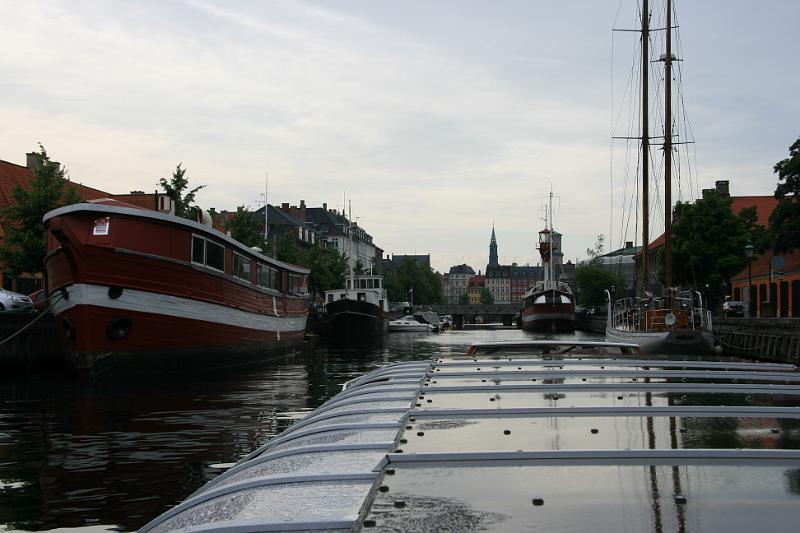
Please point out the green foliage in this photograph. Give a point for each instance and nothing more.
(328, 270)
(463, 299)
(486, 296)
(709, 241)
(174, 189)
(593, 281)
(245, 228)
(784, 222)
(411, 275)
(25, 239)
(328, 267)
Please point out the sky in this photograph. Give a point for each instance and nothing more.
(434, 120)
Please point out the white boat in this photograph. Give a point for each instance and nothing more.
(408, 323)
(677, 321)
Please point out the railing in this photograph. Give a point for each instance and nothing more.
(637, 314)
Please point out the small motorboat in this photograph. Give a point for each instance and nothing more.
(409, 323)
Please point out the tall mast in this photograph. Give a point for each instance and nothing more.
(350, 259)
(668, 152)
(645, 150)
(266, 209)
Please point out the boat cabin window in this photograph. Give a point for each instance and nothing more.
(298, 284)
(349, 285)
(215, 256)
(207, 252)
(267, 277)
(241, 267)
(330, 298)
(198, 250)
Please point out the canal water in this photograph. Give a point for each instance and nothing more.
(112, 456)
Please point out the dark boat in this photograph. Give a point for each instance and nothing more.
(357, 312)
(560, 435)
(549, 306)
(143, 291)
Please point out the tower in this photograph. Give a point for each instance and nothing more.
(493, 249)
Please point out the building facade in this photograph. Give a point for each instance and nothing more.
(458, 281)
(509, 283)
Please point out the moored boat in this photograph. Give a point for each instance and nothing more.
(678, 320)
(143, 291)
(358, 311)
(409, 323)
(549, 306)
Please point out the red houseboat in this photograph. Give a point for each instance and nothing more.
(138, 290)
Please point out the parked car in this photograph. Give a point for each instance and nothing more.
(12, 301)
(733, 308)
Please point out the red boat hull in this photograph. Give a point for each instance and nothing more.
(549, 317)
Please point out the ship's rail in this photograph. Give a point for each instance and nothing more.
(685, 310)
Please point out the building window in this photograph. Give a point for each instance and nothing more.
(241, 267)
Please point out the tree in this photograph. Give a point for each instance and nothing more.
(411, 275)
(25, 237)
(286, 249)
(245, 228)
(598, 250)
(174, 189)
(784, 222)
(328, 269)
(463, 299)
(486, 296)
(709, 241)
(594, 280)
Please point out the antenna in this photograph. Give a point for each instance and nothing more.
(266, 207)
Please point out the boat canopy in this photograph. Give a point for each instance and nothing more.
(570, 436)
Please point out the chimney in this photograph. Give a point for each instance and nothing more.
(302, 204)
(137, 192)
(285, 207)
(628, 244)
(32, 161)
(324, 206)
(723, 188)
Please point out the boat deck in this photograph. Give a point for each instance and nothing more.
(602, 440)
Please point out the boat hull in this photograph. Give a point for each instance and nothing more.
(678, 342)
(353, 320)
(142, 332)
(549, 318)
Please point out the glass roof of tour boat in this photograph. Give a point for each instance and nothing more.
(503, 441)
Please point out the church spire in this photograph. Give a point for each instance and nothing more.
(493, 249)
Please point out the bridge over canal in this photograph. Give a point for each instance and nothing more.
(508, 314)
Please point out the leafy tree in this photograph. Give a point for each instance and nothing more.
(486, 296)
(245, 228)
(598, 250)
(594, 280)
(709, 241)
(286, 249)
(25, 239)
(328, 269)
(784, 222)
(463, 299)
(411, 275)
(175, 188)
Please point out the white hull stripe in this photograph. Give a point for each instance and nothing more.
(162, 304)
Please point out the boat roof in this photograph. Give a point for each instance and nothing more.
(120, 208)
(578, 440)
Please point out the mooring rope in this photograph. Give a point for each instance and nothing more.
(53, 300)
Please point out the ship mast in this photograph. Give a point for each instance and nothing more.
(645, 151)
(668, 152)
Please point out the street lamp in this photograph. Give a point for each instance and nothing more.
(748, 251)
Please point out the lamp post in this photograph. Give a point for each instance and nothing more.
(748, 251)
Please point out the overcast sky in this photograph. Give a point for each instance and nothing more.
(437, 119)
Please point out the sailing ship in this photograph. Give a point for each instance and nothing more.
(678, 320)
(140, 291)
(549, 305)
(358, 311)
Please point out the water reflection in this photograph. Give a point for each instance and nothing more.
(121, 453)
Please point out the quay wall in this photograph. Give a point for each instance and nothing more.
(770, 339)
(36, 348)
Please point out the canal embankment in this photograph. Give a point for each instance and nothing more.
(770, 339)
